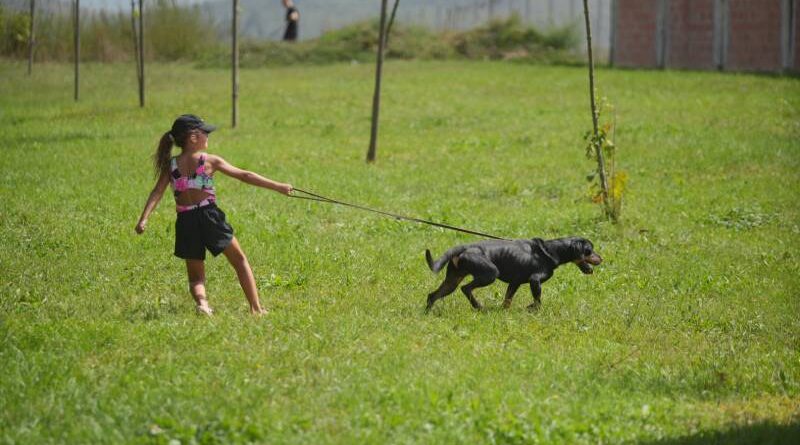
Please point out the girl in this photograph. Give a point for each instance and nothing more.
(201, 224)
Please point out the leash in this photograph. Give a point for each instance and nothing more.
(315, 197)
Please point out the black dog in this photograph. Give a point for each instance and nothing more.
(515, 262)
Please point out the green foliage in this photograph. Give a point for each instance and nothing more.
(602, 142)
(686, 334)
(177, 32)
(507, 39)
(14, 32)
(510, 38)
(172, 32)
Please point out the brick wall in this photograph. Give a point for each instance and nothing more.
(691, 34)
(635, 44)
(755, 35)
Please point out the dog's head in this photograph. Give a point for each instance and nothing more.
(582, 250)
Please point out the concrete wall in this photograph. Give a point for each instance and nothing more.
(736, 35)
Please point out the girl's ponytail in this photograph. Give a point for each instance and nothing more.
(161, 156)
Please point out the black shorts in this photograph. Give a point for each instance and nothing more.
(199, 229)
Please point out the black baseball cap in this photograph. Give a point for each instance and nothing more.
(187, 122)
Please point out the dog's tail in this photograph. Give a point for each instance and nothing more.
(437, 265)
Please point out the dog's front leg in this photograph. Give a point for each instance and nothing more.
(512, 289)
(536, 290)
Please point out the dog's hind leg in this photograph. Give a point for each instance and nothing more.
(536, 291)
(483, 272)
(450, 284)
(512, 289)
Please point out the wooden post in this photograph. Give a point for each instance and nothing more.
(235, 64)
(31, 38)
(136, 50)
(77, 44)
(376, 98)
(141, 53)
(595, 128)
(391, 21)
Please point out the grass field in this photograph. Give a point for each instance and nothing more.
(688, 333)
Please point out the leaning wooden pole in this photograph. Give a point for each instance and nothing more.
(376, 98)
(595, 127)
(235, 64)
(391, 22)
(31, 37)
(77, 44)
(141, 53)
(135, 35)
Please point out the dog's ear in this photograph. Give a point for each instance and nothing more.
(538, 243)
(582, 246)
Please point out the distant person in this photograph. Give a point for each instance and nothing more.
(200, 224)
(292, 21)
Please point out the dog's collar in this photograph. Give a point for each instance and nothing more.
(539, 244)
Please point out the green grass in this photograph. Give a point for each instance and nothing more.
(688, 333)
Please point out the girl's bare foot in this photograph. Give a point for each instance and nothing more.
(258, 311)
(204, 309)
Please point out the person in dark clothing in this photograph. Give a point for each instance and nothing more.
(292, 21)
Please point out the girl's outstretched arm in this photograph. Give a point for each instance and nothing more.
(152, 201)
(219, 164)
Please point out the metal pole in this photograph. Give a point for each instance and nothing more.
(235, 63)
(376, 98)
(31, 38)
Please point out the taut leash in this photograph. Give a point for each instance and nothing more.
(320, 198)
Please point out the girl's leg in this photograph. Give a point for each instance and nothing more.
(196, 269)
(238, 260)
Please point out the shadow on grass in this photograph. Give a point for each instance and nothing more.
(766, 433)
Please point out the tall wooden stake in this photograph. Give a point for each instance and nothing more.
(376, 98)
(141, 53)
(391, 21)
(235, 63)
(598, 150)
(135, 35)
(77, 44)
(31, 38)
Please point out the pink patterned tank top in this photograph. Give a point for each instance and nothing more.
(199, 180)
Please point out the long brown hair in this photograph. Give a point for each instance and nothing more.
(162, 154)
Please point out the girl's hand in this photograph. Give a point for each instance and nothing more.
(140, 226)
(286, 189)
